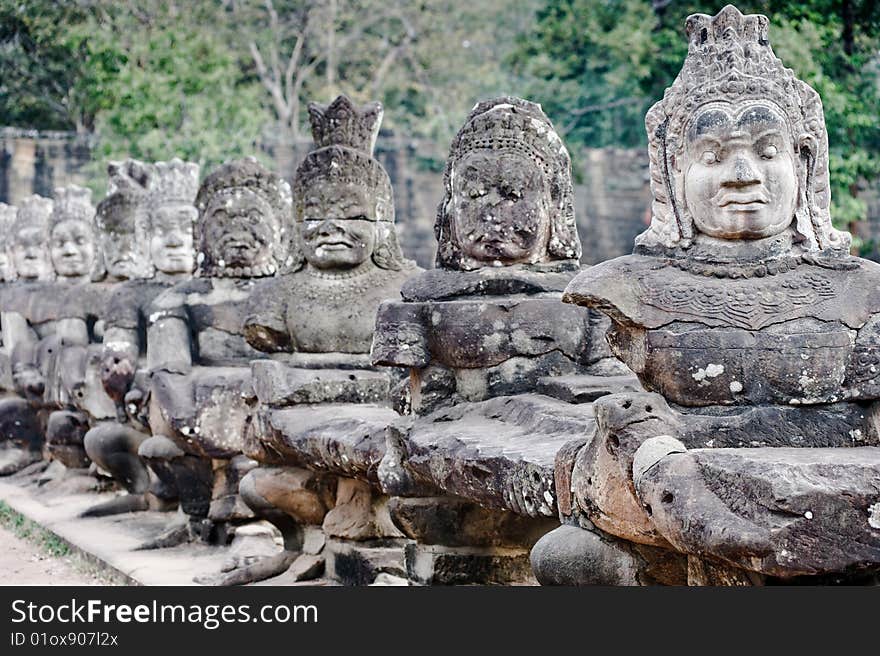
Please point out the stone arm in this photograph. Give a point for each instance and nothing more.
(265, 325)
(21, 344)
(169, 341)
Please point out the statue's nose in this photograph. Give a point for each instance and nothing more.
(328, 227)
(742, 173)
(493, 197)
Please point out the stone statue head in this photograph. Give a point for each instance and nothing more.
(29, 242)
(7, 217)
(121, 220)
(171, 215)
(738, 146)
(243, 221)
(73, 243)
(344, 205)
(508, 192)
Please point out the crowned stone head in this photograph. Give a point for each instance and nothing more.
(738, 146)
(171, 215)
(72, 234)
(508, 191)
(122, 220)
(29, 239)
(344, 205)
(243, 221)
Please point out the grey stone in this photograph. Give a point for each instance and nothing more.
(569, 555)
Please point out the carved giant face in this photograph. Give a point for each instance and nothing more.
(238, 230)
(29, 255)
(338, 227)
(120, 248)
(72, 247)
(501, 208)
(171, 238)
(739, 171)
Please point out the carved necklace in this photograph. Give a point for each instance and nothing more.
(340, 286)
(734, 270)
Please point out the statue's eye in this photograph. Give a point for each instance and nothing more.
(476, 192)
(254, 216)
(769, 151)
(709, 157)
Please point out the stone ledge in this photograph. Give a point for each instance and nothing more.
(109, 542)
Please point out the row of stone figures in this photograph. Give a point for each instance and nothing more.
(463, 424)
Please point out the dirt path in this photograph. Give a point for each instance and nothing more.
(24, 563)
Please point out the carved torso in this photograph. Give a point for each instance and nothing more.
(312, 313)
(498, 331)
(214, 309)
(802, 335)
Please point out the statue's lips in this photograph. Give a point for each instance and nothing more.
(334, 245)
(748, 202)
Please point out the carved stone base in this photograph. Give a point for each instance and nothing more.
(352, 562)
(442, 565)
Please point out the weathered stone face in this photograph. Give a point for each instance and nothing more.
(243, 219)
(72, 248)
(72, 236)
(171, 238)
(237, 230)
(120, 251)
(30, 255)
(739, 172)
(338, 227)
(501, 208)
(508, 191)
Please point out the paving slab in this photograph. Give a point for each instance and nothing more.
(110, 542)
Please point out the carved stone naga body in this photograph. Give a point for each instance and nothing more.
(757, 456)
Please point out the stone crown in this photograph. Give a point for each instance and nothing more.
(73, 203)
(127, 189)
(512, 124)
(342, 123)
(33, 212)
(174, 181)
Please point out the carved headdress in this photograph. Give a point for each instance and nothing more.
(123, 211)
(173, 182)
(33, 212)
(73, 203)
(730, 60)
(224, 183)
(510, 124)
(345, 136)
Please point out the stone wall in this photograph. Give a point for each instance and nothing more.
(612, 197)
